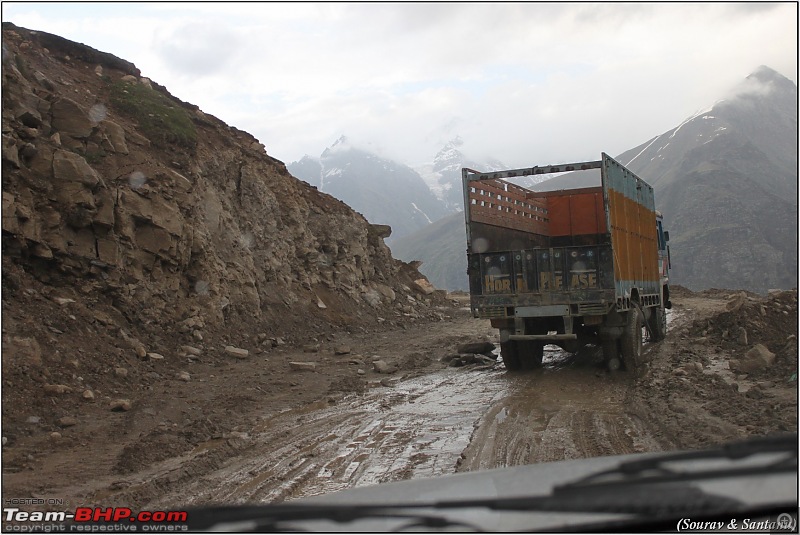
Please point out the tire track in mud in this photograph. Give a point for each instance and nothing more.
(567, 410)
(448, 421)
(418, 429)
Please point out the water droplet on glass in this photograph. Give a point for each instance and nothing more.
(246, 240)
(97, 113)
(137, 180)
(201, 287)
(480, 245)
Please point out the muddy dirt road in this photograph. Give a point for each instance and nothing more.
(335, 428)
(464, 419)
(456, 418)
(569, 409)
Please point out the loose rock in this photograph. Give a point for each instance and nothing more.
(57, 389)
(760, 351)
(190, 350)
(742, 336)
(119, 405)
(381, 366)
(67, 421)
(303, 366)
(237, 352)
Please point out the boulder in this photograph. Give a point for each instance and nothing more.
(381, 231)
(30, 117)
(75, 179)
(43, 80)
(386, 292)
(736, 302)
(423, 286)
(372, 297)
(760, 351)
(116, 137)
(71, 119)
(10, 153)
(758, 358)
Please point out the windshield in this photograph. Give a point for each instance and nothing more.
(388, 263)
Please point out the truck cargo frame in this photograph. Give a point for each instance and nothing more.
(570, 266)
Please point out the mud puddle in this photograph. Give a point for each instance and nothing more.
(570, 408)
(417, 429)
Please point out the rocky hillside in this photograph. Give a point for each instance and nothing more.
(136, 226)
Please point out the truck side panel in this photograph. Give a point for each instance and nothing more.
(578, 213)
(631, 209)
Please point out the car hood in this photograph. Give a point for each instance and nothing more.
(753, 490)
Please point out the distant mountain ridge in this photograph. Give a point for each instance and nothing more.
(384, 191)
(725, 179)
(443, 175)
(388, 192)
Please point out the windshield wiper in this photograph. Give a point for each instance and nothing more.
(655, 470)
(645, 487)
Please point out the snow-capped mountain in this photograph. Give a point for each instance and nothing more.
(726, 181)
(384, 191)
(443, 175)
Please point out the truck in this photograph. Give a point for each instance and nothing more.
(569, 267)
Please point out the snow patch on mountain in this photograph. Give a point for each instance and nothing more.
(416, 208)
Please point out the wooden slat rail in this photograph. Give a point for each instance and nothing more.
(497, 202)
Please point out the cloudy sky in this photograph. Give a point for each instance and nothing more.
(527, 83)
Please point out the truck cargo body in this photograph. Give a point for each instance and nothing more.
(564, 266)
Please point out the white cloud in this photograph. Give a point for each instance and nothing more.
(524, 82)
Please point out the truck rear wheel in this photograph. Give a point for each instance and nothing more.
(510, 353)
(658, 324)
(631, 341)
(531, 354)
